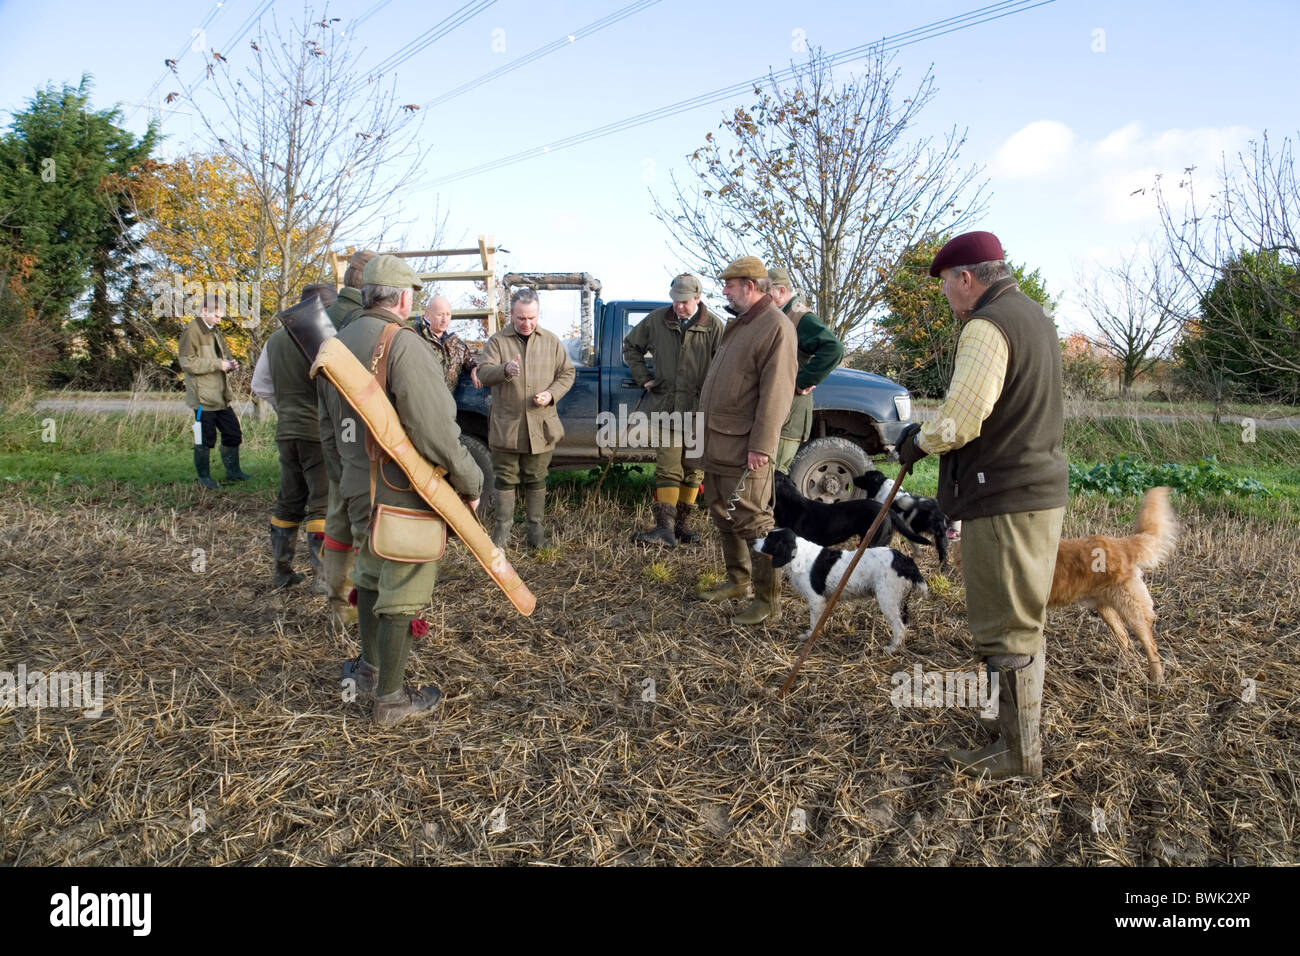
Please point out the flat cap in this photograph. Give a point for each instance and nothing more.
(966, 250)
(746, 267)
(362, 257)
(391, 271)
(685, 287)
(780, 275)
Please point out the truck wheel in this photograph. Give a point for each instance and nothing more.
(478, 450)
(825, 468)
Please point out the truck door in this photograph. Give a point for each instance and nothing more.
(620, 387)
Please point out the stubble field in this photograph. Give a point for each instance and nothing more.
(225, 738)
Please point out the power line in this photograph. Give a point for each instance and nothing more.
(938, 28)
(180, 55)
(558, 44)
(429, 37)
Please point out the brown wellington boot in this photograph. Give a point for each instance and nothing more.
(505, 516)
(735, 554)
(766, 605)
(334, 569)
(1018, 751)
(662, 532)
(682, 529)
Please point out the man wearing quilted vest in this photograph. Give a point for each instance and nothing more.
(1002, 473)
(400, 544)
(281, 379)
(337, 551)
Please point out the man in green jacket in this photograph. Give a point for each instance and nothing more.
(819, 353)
(682, 338)
(337, 552)
(1001, 472)
(392, 588)
(349, 297)
(206, 359)
(282, 379)
(528, 371)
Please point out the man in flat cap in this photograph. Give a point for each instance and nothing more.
(337, 551)
(452, 353)
(745, 401)
(1003, 474)
(819, 353)
(281, 379)
(393, 588)
(682, 338)
(528, 371)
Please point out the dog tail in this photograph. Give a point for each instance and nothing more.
(1156, 529)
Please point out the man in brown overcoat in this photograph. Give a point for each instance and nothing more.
(745, 401)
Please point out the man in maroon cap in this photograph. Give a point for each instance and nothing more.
(1002, 473)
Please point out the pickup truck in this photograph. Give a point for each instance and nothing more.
(855, 414)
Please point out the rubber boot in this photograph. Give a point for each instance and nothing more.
(202, 459)
(505, 515)
(315, 542)
(534, 509)
(283, 542)
(662, 532)
(766, 605)
(682, 528)
(395, 704)
(230, 459)
(1018, 750)
(735, 555)
(334, 569)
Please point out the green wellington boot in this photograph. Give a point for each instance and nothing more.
(202, 464)
(230, 459)
(505, 516)
(534, 509)
(766, 605)
(1018, 750)
(735, 555)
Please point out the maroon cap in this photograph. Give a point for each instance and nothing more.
(966, 250)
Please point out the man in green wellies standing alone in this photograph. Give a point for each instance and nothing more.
(207, 361)
(400, 544)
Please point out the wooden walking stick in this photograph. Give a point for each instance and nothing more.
(595, 491)
(844, 579)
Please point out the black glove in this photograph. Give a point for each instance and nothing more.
(909, 452)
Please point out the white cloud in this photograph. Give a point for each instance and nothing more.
(1041, 148)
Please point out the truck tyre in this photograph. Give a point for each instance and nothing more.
(478, 450)
(825, 468)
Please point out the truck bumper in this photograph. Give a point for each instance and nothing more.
(889, 432)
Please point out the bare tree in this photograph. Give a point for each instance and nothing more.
(1137, 305)
(325, 147)
(1238, 259)
(828, 180)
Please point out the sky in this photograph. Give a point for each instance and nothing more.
(1072, 108)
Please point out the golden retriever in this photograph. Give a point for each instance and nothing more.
(1105, 574)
